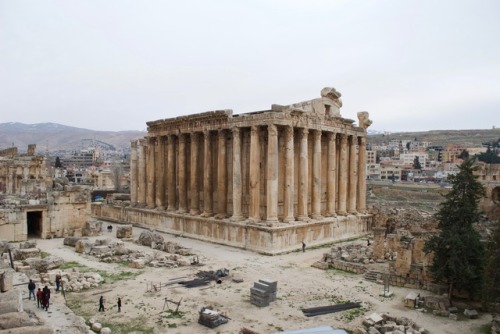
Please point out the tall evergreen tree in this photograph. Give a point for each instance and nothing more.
(58, 163)
(457, 250)
(416, 163)
(491, 289)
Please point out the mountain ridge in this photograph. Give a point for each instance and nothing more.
(55, 137)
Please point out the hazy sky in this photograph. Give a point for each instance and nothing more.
(114, 65)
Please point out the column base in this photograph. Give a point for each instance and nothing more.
(303, 218)
(342, 213)
(181, 211)
(317, 217)
(160, 208)
(288, 219)
(171, 209)
(236, 218)
(194, 212)
(353, 212)
(150, 207)
(206, 214)
(220, 216)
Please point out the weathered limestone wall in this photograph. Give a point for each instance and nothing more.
(12, 226)
(255, 237)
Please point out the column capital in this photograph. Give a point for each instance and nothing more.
(303, 132)
(235, 130)
(272, 129)
(254, 130)
(331, 136)
(316, 134)
(362, 140)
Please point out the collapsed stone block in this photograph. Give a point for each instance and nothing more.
(71, 241)
(124, 231)
(92, 228)
(6, 279)
(471, 314)
(83, 246)
(23, 254)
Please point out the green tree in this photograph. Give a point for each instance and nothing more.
(58, 163)
(416, 163)
(490, 157)
(457, 250)
(491, 289)
(464, 155)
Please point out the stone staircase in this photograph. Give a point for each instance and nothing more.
(373, 276)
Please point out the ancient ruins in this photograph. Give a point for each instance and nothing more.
(265, 181)
(34, 203)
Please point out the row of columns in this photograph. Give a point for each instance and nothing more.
(345, 176)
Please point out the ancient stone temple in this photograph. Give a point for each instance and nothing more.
(266, 180)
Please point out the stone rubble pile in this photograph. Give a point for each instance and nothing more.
(356, 253)
(115, 251)
(385, 324)
(96, 327)
(72, 279)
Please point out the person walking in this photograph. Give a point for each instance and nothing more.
(46, 297)
(31, 289)
(39, 298)
(101, 304)
(119, 304)
(58, 282)
(303, 247)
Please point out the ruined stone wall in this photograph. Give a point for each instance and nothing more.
(260, 238)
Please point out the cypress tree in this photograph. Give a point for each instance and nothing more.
(457, 249)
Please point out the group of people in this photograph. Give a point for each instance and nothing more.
(101, 304)
(42, 296)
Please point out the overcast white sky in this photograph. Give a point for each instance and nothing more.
(415, 65)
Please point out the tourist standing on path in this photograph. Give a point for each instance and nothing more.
(119, 304)
(31, 289)
(303, 247)
(58, 282)
(46, 297)
(101, 304)
(39, 298)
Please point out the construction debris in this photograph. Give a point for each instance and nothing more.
(211, 318)
(314, 311)
(263, 292)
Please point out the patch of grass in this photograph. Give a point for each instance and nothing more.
(121, 276)
(75, 264)
(485, 329)
(43, 255)
(77, 306)
(134, 326)
(171, 314)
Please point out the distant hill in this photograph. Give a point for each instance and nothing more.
(57, 137)
(466, 138)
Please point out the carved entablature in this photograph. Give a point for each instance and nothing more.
(216, 117)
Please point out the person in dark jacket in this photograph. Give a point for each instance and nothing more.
(46, 297)
(119, 304)
(101, 304)
(31, 289)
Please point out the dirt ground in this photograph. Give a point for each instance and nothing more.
(299, 286)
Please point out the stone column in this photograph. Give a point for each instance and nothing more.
(171, 187)
(221, 176)
(150, 172)
(133, 173)
(142, 173)
(361, 202)
(303, 175)
(194, 194)
(272, 173)
(352, 175)
(160, 174)
(254, 207)
(343, 175)
(182, 174)
(237, 185)
(207, 176)
(331, 175)
(288, 211)
(316, 176)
